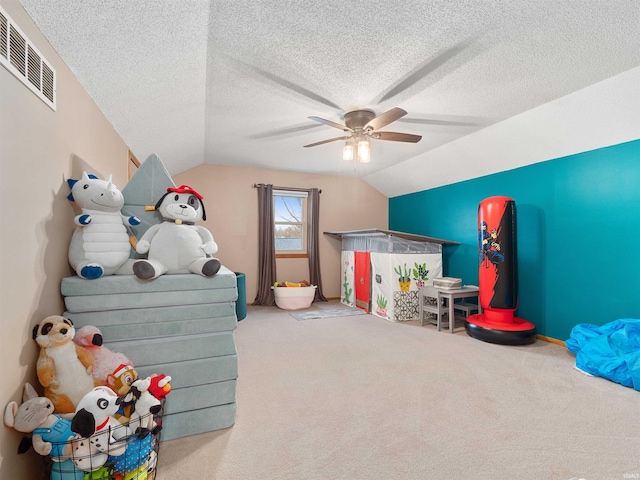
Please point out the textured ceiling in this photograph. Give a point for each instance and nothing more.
(232, 82)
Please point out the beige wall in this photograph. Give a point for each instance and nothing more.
(39, 150)
(231, 204)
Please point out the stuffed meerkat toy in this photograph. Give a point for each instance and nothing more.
(64, 369)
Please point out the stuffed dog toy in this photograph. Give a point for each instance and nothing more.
(120, 381)
(177, 245)
(102, 435)
(100, 244)
(106, 361)
(64, 369)
(50, 434)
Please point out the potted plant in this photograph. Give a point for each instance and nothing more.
(420, 273)
(403, 278)
(381, 309)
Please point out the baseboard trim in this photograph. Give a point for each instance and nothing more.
(551, 340)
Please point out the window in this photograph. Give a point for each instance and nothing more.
(290, 218)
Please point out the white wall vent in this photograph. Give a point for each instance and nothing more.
(20, 57)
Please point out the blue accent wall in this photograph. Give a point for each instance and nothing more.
(578, 234)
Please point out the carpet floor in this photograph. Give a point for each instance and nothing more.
(359, 397)
(315, 314)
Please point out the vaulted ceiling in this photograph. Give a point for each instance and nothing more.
(233, 82)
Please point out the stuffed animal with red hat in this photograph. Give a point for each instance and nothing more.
(178, 245)
(120, 381)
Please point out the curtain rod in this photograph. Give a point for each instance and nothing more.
(287, 189)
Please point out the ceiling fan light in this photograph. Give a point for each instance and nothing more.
(364, 151)
(348, 151)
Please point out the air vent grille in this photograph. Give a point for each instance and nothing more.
(48, 82)
(4, 25)
(17, 49)
(22, 59)
(33, 63)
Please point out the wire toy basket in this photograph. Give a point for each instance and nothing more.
(115, 454)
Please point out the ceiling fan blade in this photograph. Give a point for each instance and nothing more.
(287, 84)
(444, 123)
(327, 141)
(283, 131)
(397, 137)
(331, 124)
(422, 71)
(385, 119)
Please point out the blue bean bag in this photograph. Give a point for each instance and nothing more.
(611, 351)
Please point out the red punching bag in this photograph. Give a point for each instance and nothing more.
(498, 277)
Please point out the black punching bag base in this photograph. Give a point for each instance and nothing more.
(519, 333)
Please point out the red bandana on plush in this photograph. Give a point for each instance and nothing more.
(184, 189)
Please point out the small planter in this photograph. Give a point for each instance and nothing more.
(404, 278)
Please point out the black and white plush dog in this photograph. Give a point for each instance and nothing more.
(102, 435)
(177, 245)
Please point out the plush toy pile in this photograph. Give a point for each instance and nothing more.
(95, 420)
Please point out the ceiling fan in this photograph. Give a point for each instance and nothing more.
(360, 124)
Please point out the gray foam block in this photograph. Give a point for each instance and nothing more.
(132, 324)
(128, 284)
(200, 396)
(152, 351)
(193, 422)
(195, 372)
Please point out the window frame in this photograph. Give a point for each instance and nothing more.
(304, 223)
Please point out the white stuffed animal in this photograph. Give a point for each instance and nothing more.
(100, 244)
(177, 245)
(101, 433)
